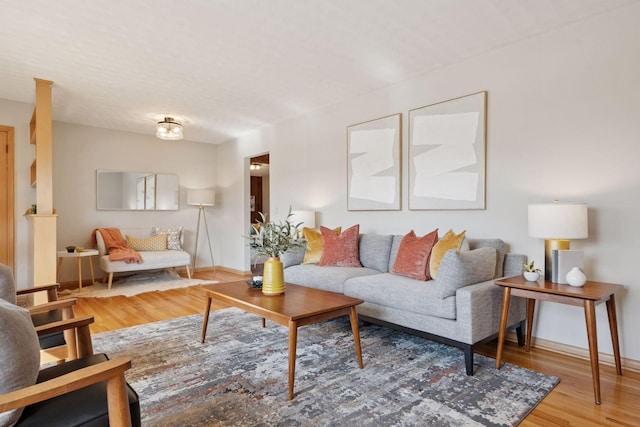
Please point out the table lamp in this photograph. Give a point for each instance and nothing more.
(201, 198)
(304, 218)
(557, 223)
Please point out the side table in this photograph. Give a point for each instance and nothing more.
(588, 296)
(78, 255)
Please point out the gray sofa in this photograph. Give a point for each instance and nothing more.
(453, 309)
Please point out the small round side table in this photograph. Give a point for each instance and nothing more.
(78, 255)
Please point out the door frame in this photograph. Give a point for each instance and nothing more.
(9, 190)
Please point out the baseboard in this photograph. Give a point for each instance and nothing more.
(580, 353)
(225, 269)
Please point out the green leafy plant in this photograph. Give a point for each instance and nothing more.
(531, 268)
(272, 239)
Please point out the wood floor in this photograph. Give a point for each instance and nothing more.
(569, 404)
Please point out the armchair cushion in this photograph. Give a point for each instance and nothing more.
(7, 285)
(19, 353)
(86, 406)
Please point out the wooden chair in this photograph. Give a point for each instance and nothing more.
(56, 346)
(88, 390)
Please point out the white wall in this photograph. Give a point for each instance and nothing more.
(80, 150)
(562, 124)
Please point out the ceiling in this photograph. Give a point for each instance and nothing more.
(227, 67)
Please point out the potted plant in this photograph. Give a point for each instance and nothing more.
(531, 273)
(272, 239)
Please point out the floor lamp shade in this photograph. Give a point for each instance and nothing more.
(201, 197)
(557, 223)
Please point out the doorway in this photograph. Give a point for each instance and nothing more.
(7, 216)
(259, 189)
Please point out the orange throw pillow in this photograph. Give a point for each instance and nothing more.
(450, 240)
(413, 256)
(340, 250)
(313, 253)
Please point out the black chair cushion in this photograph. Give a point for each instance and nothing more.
(50, 340)
(84, 407)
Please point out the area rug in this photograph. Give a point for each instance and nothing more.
(238, 377)
(148, 281)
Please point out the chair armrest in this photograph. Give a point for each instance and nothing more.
(64, 325)
(53, 305)
(52, 291)
(111, 369)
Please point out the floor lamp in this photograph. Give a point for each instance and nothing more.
(202, 198)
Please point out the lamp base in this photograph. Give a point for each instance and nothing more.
(549, 246)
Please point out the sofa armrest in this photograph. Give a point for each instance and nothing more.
(514, 264)
(478, 310)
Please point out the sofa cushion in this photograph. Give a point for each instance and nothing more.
(174, 236)
(492, 243)
(326, 278)
(340, 250)
(293, 256)
(19, 353)
(459, 269)
(313, 253)
(155, 243)
(402, 293)
(374, 251)
(151, 260)
(450, 240)
(413, 255)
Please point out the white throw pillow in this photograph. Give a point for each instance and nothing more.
(174, 236)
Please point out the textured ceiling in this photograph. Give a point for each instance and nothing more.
(231, 66)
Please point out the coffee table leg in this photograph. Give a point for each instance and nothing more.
(205, 320)
(356, 335)
(293, 342)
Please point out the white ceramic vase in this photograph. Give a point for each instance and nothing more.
(575, 277)
(531, 276)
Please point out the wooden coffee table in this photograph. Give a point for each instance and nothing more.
(298, 306)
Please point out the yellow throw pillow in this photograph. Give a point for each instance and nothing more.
(314, 244)
(450, 240)
(155, 243)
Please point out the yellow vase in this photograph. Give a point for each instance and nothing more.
(273, 277)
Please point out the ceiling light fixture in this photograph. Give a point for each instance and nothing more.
(169, 129)
(255, 166)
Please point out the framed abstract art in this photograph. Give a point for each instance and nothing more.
(447, 152)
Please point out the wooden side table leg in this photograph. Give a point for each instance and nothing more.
(93, 279)
(205, 320)
(531, 308)
(613, 327)
(356, 335)
(590, 316)
(293, 342)
(80, 272)
(506, 299)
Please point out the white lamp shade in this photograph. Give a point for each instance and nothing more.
(307, 218)
(201, 197)
(563, 221)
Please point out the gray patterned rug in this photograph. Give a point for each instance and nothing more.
(239, 376)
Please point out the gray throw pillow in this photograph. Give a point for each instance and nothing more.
(460, 269)
(19, 353)
(7, 285)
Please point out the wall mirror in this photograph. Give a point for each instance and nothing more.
(136, 191)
